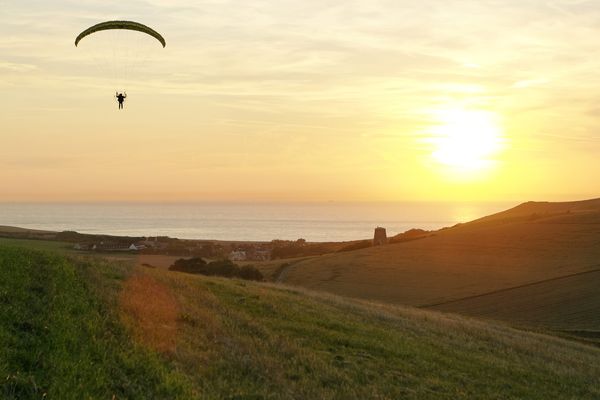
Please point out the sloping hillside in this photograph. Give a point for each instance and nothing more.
(570, 303)
(467, 260)
(542, 209)
(62, 336)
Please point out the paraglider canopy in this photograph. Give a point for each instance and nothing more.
(121, 50)
(127, 25)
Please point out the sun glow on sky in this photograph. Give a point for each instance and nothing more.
(465, 141)
(343, 100)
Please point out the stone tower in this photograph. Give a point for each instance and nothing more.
(380, 236)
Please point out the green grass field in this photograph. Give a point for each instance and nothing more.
(60, 335)
(90, 329)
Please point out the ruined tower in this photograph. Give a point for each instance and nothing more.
(380, 236)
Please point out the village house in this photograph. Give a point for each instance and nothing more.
(237, 255)
(259, 255)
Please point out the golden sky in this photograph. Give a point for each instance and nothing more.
(304, 100)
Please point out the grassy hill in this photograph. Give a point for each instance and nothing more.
(75, 329)
(569, 304)
(531, 243)
(37, 244)
(60, 336)
(542, 209)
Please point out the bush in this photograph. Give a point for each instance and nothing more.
(224, 268)
(250, 273)
(195, 265)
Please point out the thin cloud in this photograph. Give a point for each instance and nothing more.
(16, 67)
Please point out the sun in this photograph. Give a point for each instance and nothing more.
(465, 140)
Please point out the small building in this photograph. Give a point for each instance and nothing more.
(111, 246)
(380, 237)
(260, 255)
(237, 255)
(153, 243)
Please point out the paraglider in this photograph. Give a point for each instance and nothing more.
(124, 54)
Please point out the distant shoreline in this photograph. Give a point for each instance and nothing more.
(244, 222)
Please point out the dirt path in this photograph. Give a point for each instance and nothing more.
(283, 273)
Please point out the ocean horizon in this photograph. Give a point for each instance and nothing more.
(315, 222)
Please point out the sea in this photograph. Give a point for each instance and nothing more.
(315, 222)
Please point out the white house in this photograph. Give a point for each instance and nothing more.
(237, 255)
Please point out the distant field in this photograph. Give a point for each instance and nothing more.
(13, 229)
(270, 269)
(74, 330)
(153, 260)
(38, 244)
